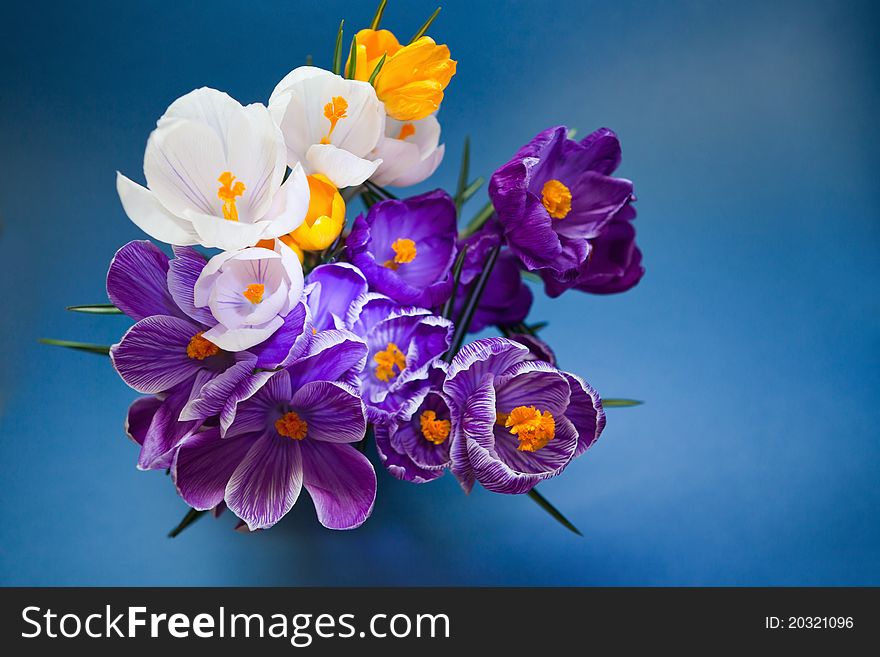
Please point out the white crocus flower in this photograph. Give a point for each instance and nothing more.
(408, 152)
(330, 124)
(249, 292)
(214, 171)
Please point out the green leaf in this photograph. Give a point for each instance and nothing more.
(337, 51)
(424, 28)
(377, 17)
(352, 59)
(531, 276)
(478, 221)
(620, 403)
(96, 309)
(463, 173)
(104, 350)
(472, 189)
(542, 502)
(379, 191)
(456, 276)
(537, 326)
(191, 516)
(309, 60)
(378, 68)
(467, 315)
(572, 132)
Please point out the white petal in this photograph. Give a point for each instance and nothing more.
(182, 162)
(290, 205)
(242, 338)
(397, 157)
(216, 232)
(256, 155)
(426, 135)
(297, 105)
(420, 171)
(341, 167)
(148, 214)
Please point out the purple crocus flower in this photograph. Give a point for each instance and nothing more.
(330, 291)
(406, 248)
(555, 196)
(402, 343)
(294, 433)
(506, 299)
(414, 444)
(164, 353)
(614, 264)
(517, 421)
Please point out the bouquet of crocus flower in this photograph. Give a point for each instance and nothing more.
(270, 356)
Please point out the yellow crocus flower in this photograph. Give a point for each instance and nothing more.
(413, 77)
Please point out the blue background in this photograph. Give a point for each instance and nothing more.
(750, 130)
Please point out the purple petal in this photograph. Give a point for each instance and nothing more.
(399, 465)
(333, 411)
(286, 344)
(266, 484)
(183, 272)
(489, 356)
(334, 288)
(341, 482)
(532, 383)
(137, 281)
(214, 395)
(140, 415)
(473, 419)
(585, 412)
(203, 465)
(333, 355)
(165, 431)
(151, 357)
(601, 151)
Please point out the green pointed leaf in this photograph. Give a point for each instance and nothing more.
(378, 68)
(478, 221)
(379, 191)
(463, 173)
(424, 28)
(621, 403)
(472, 189)
(377, 17)
(537, 326)
(96, 309)
(191, 516)
(103, 350)
(542, 502)
(531, 276)
(463, 323)
(352, 59)
(337, 51)
(572, 132)
(456, 276)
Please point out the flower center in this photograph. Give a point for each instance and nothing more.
(200, 348)
(387, 360)
(254, 293)
(229, 190)
(292, 425)
(533, 428)
(404, 252)
(333, 111)
(406, 130)
(556, 197)
(434, 430)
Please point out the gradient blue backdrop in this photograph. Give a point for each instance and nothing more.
(750, 130)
